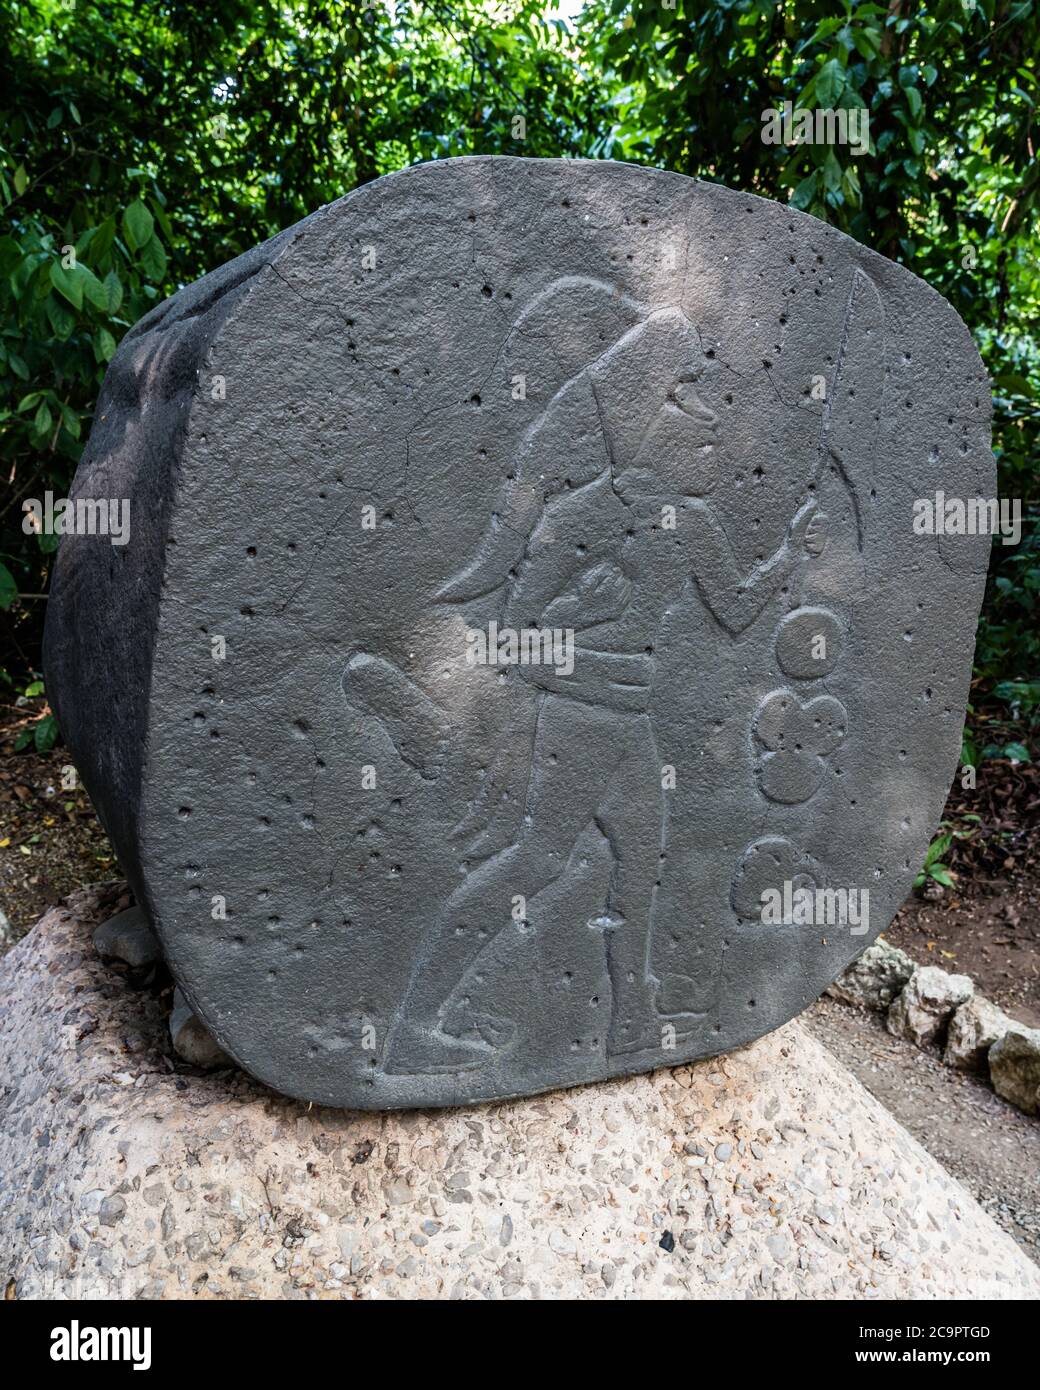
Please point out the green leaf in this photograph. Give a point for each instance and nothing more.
(805, 192)
(153, 260)
(866, 42)
(21, 180)
(1017, 752)
(162, 219)
(1014, 384)
(8, 588)
(23, 740)
(104, 345)
(1020, 692)
(68, 283)
(113, 292)
(831, 172)
(70, 420)
(63, 320)
(937, 849)
(137, 225)
(830, 82)
(101, 242)
(942, 875)
(33, 689)
(913, 100)
(94, 290)
(46, 734)
(43, 419)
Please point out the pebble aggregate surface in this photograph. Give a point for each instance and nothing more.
(766, 1173)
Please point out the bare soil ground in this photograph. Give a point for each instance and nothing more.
(51, 841)
(992, 935)
(988, 925)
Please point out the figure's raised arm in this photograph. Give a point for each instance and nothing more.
(734, 599)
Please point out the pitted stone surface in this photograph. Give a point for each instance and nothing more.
(660, 441)
(769, 1173)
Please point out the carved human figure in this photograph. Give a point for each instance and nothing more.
(582, 546)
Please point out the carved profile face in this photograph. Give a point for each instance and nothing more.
(677, 457)
(664, 447)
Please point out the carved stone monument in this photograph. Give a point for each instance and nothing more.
(526, 665)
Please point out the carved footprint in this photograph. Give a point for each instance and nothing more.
(767, 864)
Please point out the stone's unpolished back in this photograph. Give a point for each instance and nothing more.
(524, 667)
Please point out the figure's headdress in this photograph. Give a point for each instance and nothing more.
(606, 359)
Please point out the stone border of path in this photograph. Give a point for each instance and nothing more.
(926, 1005)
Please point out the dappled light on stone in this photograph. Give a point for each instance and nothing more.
(524, 667)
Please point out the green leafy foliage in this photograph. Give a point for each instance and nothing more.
(42, 733)
(943, 841)
(142, 145)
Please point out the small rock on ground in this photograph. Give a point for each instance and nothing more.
(127, 937)
(191, 1038)
(974, 1028)
(1014, 1068)
(928, 999)
(874, 979)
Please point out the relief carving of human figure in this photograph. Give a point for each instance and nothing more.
(581, 545)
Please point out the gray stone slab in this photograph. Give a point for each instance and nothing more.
(681, 428)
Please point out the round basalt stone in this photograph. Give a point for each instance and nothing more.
(438, 702)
